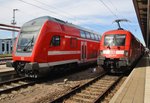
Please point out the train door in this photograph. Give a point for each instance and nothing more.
(83, 51)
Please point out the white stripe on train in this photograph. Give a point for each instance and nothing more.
(63, 52)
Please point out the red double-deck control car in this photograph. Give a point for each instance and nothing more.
(46, 43)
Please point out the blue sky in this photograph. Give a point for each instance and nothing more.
(96, 15)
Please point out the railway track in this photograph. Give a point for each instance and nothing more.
(91, 92)
(4, 60)
(15, 84)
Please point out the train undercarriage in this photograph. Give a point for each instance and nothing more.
(114, 65)
(36, 70)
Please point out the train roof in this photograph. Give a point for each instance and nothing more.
(121, 30)
(114, 31)
(44, 18)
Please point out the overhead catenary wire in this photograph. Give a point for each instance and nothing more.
(55, 13)
(45, 9)
(115, 8)
(115, 15)
(110, 10)
(63, 12)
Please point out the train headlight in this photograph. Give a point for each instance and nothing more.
(126, 53)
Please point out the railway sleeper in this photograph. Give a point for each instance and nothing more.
(93, 89)
(69, 101)
(102, 85)
(22, 82)
(103, 81)
(1, 89)
(90, 93)
(110, 77)
(7, 86)
(81, 100)
(14, 84)
(86, 95)
(96, 87)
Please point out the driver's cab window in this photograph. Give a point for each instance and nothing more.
(55, 41)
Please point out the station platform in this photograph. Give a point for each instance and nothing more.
(136, 88)
(6, 70)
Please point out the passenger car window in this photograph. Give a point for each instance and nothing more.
(98, 37)
(55, 40)
(95, 37)
(82, 33)
(92, 35)
(88, 35)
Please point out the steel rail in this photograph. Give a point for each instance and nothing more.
(7, 87)
(60, 99)
(4, 60)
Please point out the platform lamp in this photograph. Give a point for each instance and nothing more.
(13, 22)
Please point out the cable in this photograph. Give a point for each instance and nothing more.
(108, 8)
(115, 15)
(40, 7)
(55, 8)
(112, 5)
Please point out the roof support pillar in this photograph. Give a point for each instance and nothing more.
(148, 25)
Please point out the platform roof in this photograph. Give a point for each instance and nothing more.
(142, 8)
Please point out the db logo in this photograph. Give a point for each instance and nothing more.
(22, 58)
(112, 52)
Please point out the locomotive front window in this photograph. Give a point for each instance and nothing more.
(115, 40)
(55, 41)
(28, 34)
(26, 40)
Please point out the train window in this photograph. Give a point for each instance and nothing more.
(88, 35)
(114, 40)
(73, 42)
(82, 33)
(120, 40)
(55, 40)
(3, 47)
(96, 37)
(92, 36)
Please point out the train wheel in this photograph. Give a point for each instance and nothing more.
(19, 68)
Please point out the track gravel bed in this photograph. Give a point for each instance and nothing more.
(112, 93)
(48, 91)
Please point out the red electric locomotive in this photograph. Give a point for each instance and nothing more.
(118, 49)
(46, 43)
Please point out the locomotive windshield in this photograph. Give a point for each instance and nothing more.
(28, 34)
(115, 40)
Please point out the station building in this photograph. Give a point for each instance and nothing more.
(6, 46)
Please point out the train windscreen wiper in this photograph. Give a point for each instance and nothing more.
(27, 46)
